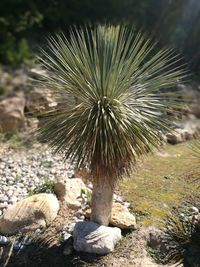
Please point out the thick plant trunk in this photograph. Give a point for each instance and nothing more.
(102, 199)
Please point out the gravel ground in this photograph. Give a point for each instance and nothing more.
(24, 169)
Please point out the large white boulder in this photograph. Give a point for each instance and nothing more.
(94, 238)
(29, 214)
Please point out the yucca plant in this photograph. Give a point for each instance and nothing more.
(182, 240)
(122, 105)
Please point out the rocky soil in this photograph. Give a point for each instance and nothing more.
(23, 170)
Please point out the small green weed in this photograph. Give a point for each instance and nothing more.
(88, 195)
(139, 215)
(12, 138)
(2, 90)
(46, 187)
(19, 139)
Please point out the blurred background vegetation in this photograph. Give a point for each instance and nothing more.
(24, 24)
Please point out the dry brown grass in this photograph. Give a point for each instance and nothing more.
(161, 182)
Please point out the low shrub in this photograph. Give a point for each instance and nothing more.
(182, 239)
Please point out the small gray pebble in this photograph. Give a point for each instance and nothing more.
(183, 216)
(70, 227)
(3, 205)
(67, 236)
(38, 231)
(82, 217)
(127, 204)
(3, 240)
(194, 210)
(18, 245)
(27, 240)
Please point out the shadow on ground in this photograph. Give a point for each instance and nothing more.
(35, 255)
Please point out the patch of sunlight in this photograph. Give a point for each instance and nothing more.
(159, 183)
